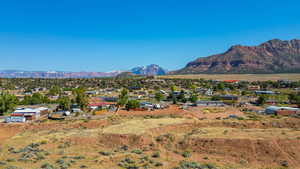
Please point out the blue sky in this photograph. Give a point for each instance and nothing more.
(105, 35)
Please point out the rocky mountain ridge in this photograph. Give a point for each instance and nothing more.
(274, 56)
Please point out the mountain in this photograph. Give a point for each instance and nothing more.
(142, 70)
(54, 74)
(149, 70)
(274, 56)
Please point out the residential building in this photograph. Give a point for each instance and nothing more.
(275, 110)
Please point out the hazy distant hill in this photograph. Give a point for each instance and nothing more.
(142, 70)
(274, 56)
(54, 74)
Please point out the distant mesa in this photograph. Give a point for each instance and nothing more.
(274, 56)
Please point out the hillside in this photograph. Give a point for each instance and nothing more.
(274, 56)
(160, 139)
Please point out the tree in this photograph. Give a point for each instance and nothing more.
(193, 88)
(132, 104)
(80, 97)
(174, 98)
(55, 90)
(7, 102)
(261, 100)
(215, 98)
(294, 99)
(37, 98)
(64, 103)
(123, 97)
(193, 98)
(159, 96)
(26, 100)
(181, 97)
(173, 88)
(221, 86)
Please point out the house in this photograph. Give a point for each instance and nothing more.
(109, 99)
(60, 115)
(210, 103)
(67, 93)
(275, 110)
(209, 92)
(229, 97)
(29, 113)
(100, 105)
(146, 105)
(231, 81)
(91, 93)
(254, 87)
(75, 108)
(204, 91)
(163, 92)
(134, 88)
(264, 92)
(176, 93)
(271, 101)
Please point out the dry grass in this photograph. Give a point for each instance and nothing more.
(234, 133)
(246, 77)
(141, 126)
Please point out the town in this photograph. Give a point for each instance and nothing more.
(32, 100)
(149, 103)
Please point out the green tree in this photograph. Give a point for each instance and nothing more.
(193, 98)
(123, 97)
(55, 90)
(159, 96)
(220, 86)
(181, 97)
(26, 100)
(173, 88)
(64, 103)
(8, 103)
(132, 104)
(261, 100)
(193, 88)
(174, 98)
(80, 97)
(37, 98)
(295, 99)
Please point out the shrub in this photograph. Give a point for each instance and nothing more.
(128, 164)
(12, 167)
(158, 164)
(137, 151)
(124, 148)
(105, 153)
(60, 161)
(2, 163)
(47, 166)
(10, 160)
(186, 154)
(78, 157)
(156, 155)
